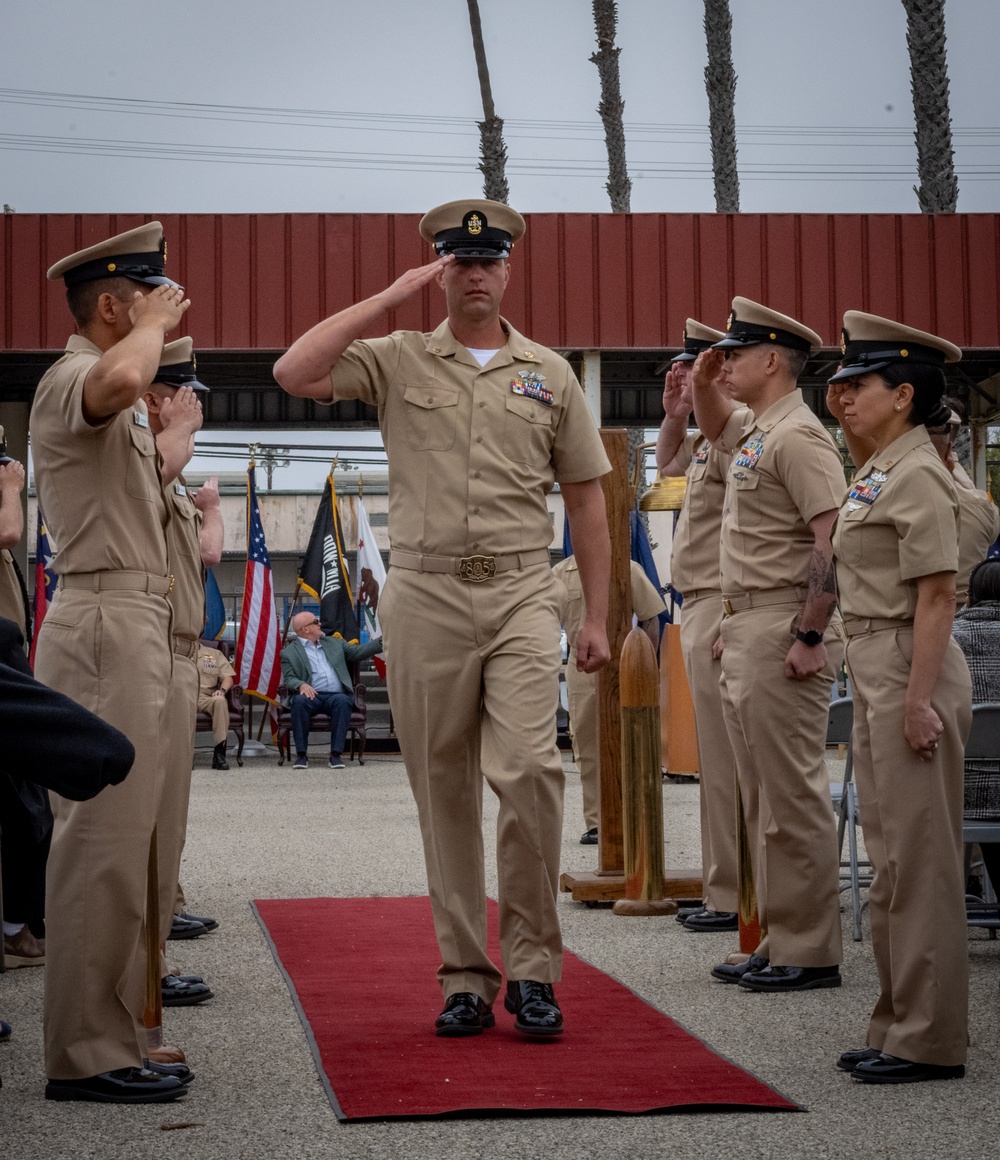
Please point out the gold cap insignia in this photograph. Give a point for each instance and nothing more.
(112, 266)
(730, 320)
(773, 336)
(194, 363)
(475, 225)
(903, 353)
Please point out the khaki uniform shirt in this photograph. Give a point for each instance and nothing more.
(978, 527)
(694, 556)
(473, 451)
(213, 668)
(187, 596)
(898, 522)
(785, 471)
(11, 598)
(99, 486)
(646, 601)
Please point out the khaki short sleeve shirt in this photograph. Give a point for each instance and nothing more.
(11, 600)
(187, 596)
(785, 471)
(898, 522)
(213, 668)
(473, 451)
(646, 601)
(978, 527)
(99, 487)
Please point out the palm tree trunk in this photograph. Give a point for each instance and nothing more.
(619, 186)
(720, 85)
(938, 188)
(492, 150)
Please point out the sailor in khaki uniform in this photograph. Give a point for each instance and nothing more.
(216, 677)
(99, 486)
(584, 714)
(12, 594)
(479, 423)
(783, 488)
(896, 553)
(194, 541)
(694, 572)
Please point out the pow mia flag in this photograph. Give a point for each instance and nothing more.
(324, 572)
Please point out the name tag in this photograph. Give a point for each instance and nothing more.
(180, 489)
(701, 455)
(140, 419)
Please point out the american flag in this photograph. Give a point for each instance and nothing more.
(45, 583)
(258, 648)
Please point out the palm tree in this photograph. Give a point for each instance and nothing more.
(938, 188)
(619, 186)
(720, 84)
(492, 150)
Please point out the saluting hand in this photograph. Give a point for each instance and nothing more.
(183, 411)
(834, 401)
(12, 477)
(707, 368)
(207, 496)
(676, 395)
(406, 285)
(163, 307)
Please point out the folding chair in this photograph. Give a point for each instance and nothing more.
(982, 764)
(844, 798)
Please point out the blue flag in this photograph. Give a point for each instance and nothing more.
(215, 610)
(643, 556)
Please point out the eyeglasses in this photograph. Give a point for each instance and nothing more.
(314, 623)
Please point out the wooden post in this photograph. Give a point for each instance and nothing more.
(641, 781)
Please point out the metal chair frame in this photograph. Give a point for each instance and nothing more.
(844, 798)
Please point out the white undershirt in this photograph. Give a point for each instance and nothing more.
(481, 356)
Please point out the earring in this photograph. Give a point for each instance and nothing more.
(898, 407)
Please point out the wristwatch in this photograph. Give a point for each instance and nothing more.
(811, 638)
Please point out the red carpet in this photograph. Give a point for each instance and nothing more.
(362, 971)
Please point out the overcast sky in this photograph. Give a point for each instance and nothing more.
(328, 105)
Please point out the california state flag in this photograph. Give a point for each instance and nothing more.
(370, 581)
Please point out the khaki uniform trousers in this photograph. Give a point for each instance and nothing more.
(911, 814)
(110, 651)
(777, 728)
(585, 726)
(171, 819)
(473, 673)
(701, 618)
(219, 708)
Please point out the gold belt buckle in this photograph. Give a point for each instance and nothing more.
(477, 568)
(727, 606)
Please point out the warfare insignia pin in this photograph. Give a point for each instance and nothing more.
(878, 477)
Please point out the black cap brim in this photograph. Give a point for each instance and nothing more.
(856, 370)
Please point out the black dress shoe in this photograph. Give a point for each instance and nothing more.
(464, 1014)
(733, 972)
(785, 979)
(850, 1059)
(685, 912)
(178, 993)
(179, 1071)
(183, 927)
(589, 838)
(712, 920)
(206, 922)
(534, 1007)
(125, 1085)
(891, 1069)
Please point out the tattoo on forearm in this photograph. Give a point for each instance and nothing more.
(822, 576)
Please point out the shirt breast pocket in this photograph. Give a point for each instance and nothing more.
(851, 533)
(141, 478)
(746, 491)
(431, 411)
(527, 433)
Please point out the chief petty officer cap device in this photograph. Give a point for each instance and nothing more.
(139, 255)
(472, 229)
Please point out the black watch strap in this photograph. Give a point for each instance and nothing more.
(811, 638)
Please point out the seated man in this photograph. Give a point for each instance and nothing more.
(314, 670)
(216, 676)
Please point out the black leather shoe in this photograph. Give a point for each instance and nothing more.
(206, 922)
(589, 838)
(712, 920)
(219, 756)
(685, 912)
(179, 1071)
(178, 993)
(184, 927)
(125, 1085)
(891, 1069)
(790, 978)
(534, 1007)
(733, 972)
(464, 1014)
(850, 1059)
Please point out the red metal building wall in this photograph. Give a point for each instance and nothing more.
(578, 281)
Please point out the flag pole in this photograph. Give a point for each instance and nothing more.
(295, 600)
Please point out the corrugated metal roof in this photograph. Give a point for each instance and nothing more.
(607, 281)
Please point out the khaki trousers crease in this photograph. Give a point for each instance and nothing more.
(110, 651)
(585, 727)
(473, 674)
(219, 708)
(777, 728)
(700, 622)
(911, 815)
(171, 819)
